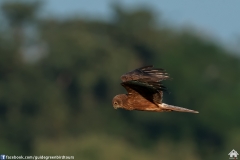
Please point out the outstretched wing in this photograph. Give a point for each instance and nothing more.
(146, 82)
(139, 90)
(146, 74)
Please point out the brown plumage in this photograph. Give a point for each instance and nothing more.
(145, 91)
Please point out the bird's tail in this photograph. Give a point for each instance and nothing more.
(168, 107)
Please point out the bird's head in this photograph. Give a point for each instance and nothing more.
(118, 101)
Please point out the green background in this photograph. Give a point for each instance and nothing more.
(58, 78)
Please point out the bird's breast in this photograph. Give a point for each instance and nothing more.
(140, 104)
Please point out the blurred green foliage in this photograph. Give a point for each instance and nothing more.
(61, 103)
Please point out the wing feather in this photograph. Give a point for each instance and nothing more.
(146, 74)
(145, 82)
(137, 89)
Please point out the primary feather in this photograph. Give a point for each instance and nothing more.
(145, 91)
(147, 76)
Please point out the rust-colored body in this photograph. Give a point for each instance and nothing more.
(145, 92)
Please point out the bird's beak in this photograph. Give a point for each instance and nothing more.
(116, 106)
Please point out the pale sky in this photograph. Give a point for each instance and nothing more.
(218, 18)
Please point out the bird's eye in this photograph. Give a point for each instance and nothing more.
(115, 103)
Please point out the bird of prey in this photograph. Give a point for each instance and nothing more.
(145, 91)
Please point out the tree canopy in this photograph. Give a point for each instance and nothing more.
(61, 102)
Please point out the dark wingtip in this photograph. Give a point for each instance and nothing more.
(148, 66)
(152, 67)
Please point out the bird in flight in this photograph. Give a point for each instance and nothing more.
(145, 91)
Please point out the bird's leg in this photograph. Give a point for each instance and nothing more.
(130, 108)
